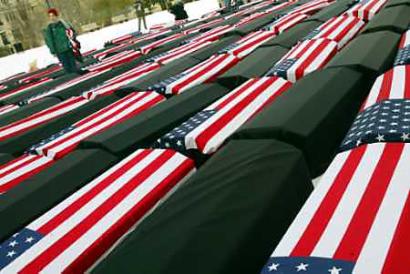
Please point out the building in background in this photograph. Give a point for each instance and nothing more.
(20, 24)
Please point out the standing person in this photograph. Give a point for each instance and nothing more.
(57, 40)
(228, 5)
(140, 9)
(179, 11)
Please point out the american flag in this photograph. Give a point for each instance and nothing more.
(403, 55)
(24, 88)
(127, 37)
(102, 54)
(61, 144)
(64, 86)
(40, 74)
(250, 18)
(109, 86)
(393, 84)
(277, 7)
(312, 7)
(286, 22)
(211, 35)
(339, 29)
(385, 116)
(114, 61)
(73, 235)
(203, 72)
(20, 169)
(249, 43)
(2, 87)
(306, 57)
(42, 117)
(356, 220)
(366, 9)
(148, 48)
(177, 53)
(207, 130)
(7, 108)
(208, 25)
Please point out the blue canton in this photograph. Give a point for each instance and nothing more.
(228, 48)
(307, 265)
(403, 56)
(17, 245)
(270, 25)
(281, 68)
(162, 86)
(311, 35)
(32, 149)
(175, 139)
(387, 121)
(154, 58)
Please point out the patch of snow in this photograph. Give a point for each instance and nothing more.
(19, 62)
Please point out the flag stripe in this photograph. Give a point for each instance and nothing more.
(398, 252)
(89, 219)
(321, 217)
(41, 117)
(385, 224)
(364, 215)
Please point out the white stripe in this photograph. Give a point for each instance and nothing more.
(200, 69)
(190, 138)
(305, 215)
(24, 170)
(18, 127)
(21, 161)
(216, 140)
(76, 218)
(52, 151)
(374, 92)
(36, 224)
(376, 247)
(352, 33)
(110, 219)
(291, 73)
(406, 38)
(318, 61)
(339, 222)
(398, 82)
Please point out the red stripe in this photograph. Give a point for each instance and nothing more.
(89, 221)
(93, 192)
(300, 70)
(24, 88)
(250, 45)
(38, 115)
(89, 127)
(385, 89)
(232, 95)
(23, 176)
(203, 138)
(323, 214)
(112, 234)
(406, 81)
(345, 31)
(398, 253)
(205, 69)
(363, 218)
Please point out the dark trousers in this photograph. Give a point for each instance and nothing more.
(141, 19)
(67, 59)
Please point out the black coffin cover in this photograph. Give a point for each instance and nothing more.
(143, 129)
(313, 115)
(372, 52)
(254, 65)
(36, 195)
(225, 219)
(395, 19)
(19, 143)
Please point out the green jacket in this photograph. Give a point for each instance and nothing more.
(56, 38)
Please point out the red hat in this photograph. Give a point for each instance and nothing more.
(53, 11)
